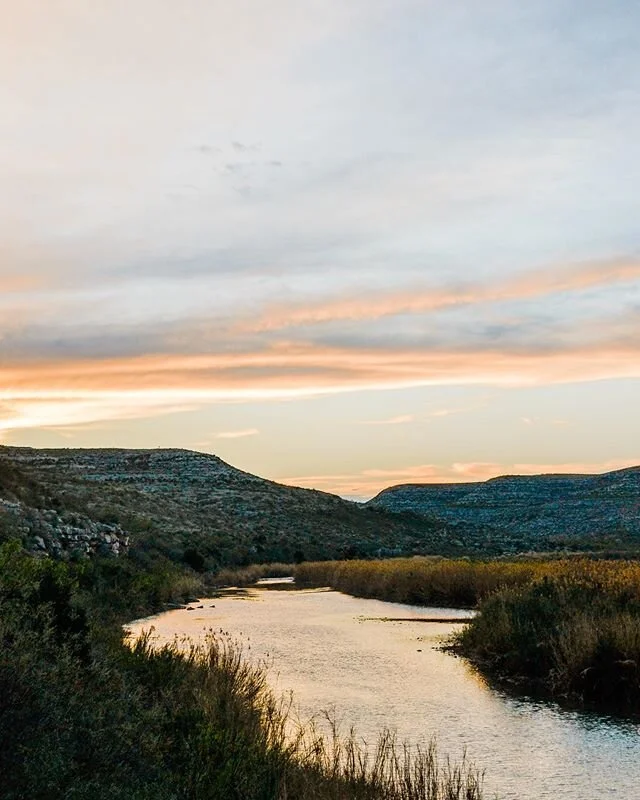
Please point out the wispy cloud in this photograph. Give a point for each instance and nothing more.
(290, 369)
(418, 300)
(237, 434)
(481, 471)
(401, 419)
(67, 411)
(454, 410)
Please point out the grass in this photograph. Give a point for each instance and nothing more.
(574, 633)
(86, 716)
(418, 581)
(246, 576)
(567, 628)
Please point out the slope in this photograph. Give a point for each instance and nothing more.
(172, 501)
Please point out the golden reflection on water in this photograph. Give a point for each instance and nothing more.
(354, 656)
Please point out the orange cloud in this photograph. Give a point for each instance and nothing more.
(237, 434)
(481, 471)
(298, 368)
(417, 300)
(10, 284)
(80, 412)
(402, 419)
(84, 391)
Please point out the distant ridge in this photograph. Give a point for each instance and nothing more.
(528, 508)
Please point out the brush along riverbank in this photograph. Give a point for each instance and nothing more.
(569, 629)
(84, 715)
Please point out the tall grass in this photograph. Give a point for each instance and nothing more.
(245, 576)
(574, 633)
(420, 580)
(268, 754)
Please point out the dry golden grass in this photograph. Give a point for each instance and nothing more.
(420, 580)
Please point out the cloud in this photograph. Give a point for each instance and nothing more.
(298, 368)
(66, 411)
(449, 412)
(482, 471)
(399, 420)
(367, 483)
(237, 434)
(417, 300)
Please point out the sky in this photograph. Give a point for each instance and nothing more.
(342, 244)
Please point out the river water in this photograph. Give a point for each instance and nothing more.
(346, 655)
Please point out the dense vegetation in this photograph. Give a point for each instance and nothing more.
(419, 581)
(568, 628)
(246, 576)
(574, 633)
(84, 715)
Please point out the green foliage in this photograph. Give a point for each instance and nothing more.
(193, 558)
(120, 589)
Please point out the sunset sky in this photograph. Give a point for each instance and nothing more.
(342, 244)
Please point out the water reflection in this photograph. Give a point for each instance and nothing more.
(334, 651)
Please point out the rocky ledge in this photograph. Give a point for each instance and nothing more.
(47, 532)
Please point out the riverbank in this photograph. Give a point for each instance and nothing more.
(85, 715)
(566, 629)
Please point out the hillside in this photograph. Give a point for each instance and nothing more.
(171, 501)
(531, 511)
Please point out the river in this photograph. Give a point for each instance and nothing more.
(346, 655)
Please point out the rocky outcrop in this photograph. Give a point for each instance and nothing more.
(45, 531)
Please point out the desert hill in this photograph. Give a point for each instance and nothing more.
(172, 501)
(527, 510)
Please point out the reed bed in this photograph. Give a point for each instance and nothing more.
(246, 576)
(459, 583)
(573, 633)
